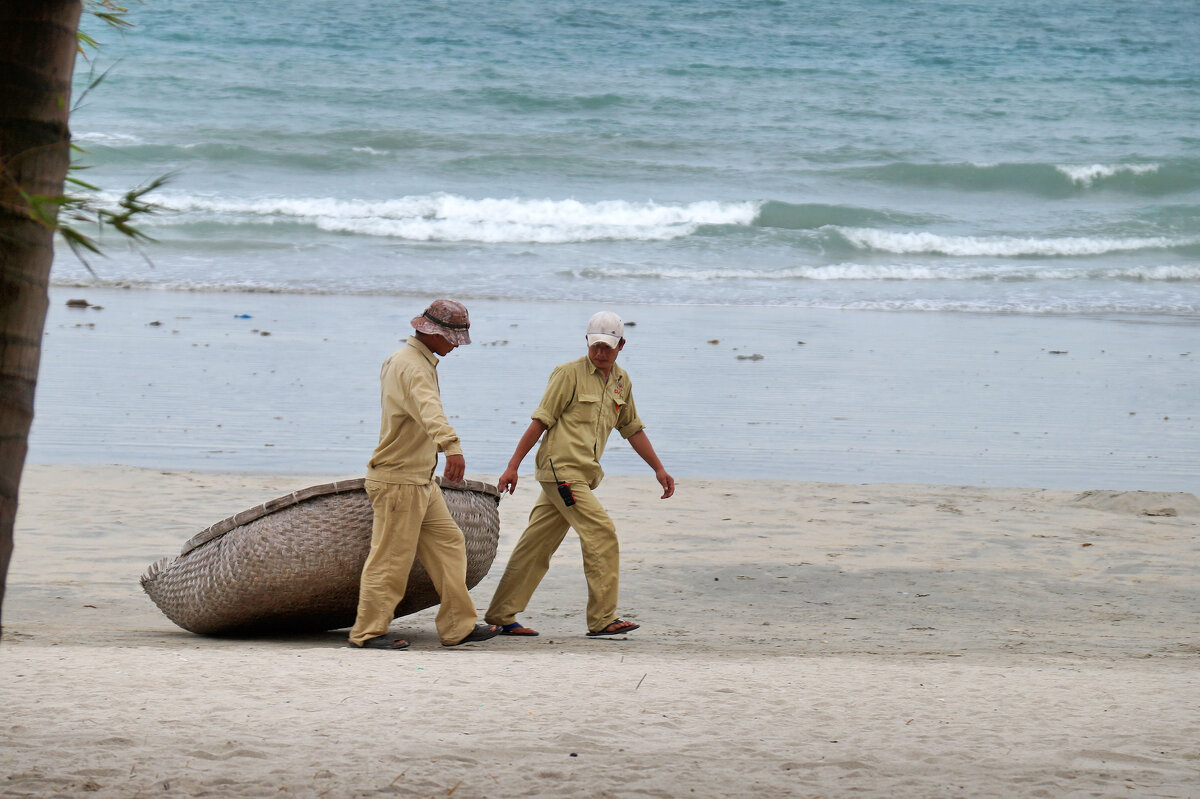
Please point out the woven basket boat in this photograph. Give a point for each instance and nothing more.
(293, 564)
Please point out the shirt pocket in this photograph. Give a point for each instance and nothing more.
(586, 408)
(613, 405)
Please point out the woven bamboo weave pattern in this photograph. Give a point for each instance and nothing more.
(293, 564)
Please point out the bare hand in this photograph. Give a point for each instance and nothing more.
(456, 467)
(508, 481)
(667, 482)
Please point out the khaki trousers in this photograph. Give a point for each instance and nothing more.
(412, 521)
(548, 524)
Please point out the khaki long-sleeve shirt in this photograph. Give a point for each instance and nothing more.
(413, 427)
(580, 410)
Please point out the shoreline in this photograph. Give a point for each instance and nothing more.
(797, 639)
(185, 381)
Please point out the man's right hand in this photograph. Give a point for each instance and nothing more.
(508, 480)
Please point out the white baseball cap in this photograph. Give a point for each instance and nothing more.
(605, 328)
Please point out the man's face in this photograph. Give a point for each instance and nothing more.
(440, 345)
(603, 356)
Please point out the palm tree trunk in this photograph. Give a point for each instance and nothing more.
(38, 41)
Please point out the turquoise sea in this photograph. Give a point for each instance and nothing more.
(1020, 157)
(863, 241)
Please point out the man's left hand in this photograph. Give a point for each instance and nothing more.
(667, 482)
(456, 467)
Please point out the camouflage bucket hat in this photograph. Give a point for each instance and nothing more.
(445, 318)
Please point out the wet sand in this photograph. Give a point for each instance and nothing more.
(270, 383)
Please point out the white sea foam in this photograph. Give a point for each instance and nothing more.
(1086, 175)
(873, 272)
(1023, 306)
(903, 272)
(447, 217)
(1018, 302)
(1000, 246)
(110, 139)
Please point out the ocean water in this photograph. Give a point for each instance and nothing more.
(1019, 158)
(863, 241)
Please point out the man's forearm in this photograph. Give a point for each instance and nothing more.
(641, 445)
(528, 439)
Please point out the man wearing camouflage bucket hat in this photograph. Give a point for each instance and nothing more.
(411, 518)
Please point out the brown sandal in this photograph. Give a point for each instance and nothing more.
(621, 626)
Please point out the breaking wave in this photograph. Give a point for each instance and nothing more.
(901, 243)
(1152, 178)
(452, 218)
(902, 272)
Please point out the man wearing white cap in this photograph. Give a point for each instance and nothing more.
(411, 518)
(585, 400)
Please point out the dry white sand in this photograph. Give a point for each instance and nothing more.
(798, 639)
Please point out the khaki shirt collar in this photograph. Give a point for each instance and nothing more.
(415, 342)
(592, 370)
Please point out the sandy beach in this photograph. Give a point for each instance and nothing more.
(912, 318)
(844, 598)
(798, 639)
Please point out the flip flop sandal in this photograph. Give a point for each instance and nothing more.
(482, 632)
(517, 629)
(628, 628)
(393, 642)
